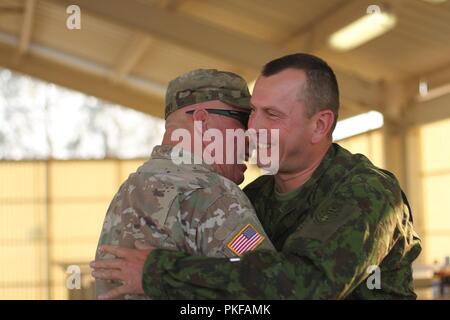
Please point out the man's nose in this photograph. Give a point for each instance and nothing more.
(253, 121)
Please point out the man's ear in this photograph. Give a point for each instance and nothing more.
(201, 115)
(323, 122)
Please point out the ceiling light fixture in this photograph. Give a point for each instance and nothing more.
(358, 124)
(364, 29)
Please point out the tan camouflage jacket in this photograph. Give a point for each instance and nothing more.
(186, 207)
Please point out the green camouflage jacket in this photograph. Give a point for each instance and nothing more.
(349, 219)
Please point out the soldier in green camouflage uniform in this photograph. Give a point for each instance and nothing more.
(185, 207)
(331, 221)
(348, 216)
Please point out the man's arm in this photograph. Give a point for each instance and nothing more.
(211, 230)
(225, 226)
(327, 257)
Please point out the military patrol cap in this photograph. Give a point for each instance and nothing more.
(202, 85)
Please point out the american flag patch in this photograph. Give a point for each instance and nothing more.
(246, 240)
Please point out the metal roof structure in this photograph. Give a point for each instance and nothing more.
(127, 50)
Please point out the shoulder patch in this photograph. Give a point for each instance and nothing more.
(247, 239)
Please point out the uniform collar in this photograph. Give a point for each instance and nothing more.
(307, 189)
(166, 152)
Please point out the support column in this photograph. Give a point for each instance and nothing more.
(414, 187)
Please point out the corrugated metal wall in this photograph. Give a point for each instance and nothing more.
(51, 214)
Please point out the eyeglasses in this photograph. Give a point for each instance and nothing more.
(242, 117)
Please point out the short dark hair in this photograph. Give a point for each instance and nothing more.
(321, 91)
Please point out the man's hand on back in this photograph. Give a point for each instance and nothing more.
(126, 268)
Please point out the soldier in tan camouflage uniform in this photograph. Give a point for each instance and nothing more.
(195, 208)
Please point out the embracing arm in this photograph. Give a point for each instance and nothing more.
(325, 258)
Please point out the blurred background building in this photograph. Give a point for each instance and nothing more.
(81, 106)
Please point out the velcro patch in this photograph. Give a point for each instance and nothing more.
(247, 239)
